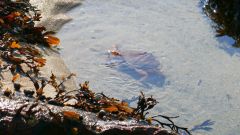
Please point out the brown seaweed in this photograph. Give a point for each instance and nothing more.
(18, 33)
(91, 114)
(106, 108)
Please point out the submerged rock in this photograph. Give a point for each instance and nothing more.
(141, 66)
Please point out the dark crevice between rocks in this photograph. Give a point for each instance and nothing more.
(226, 17)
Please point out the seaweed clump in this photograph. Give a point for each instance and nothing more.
(18, 34)
(107, 108)
(226, 15)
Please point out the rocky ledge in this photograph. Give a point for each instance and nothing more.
(24, 116)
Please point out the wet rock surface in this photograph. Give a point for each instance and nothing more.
(226, 16)
(24, 116)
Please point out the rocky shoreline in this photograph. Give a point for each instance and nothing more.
(31, 118)
(53, 18)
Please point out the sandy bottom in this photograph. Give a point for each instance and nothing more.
(202, 77)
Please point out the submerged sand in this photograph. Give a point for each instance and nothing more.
(202, 74)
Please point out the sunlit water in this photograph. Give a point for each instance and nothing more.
(200, 74)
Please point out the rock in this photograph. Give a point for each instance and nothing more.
(226, 16)
(23, 116)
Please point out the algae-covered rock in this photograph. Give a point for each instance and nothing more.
(19, 116)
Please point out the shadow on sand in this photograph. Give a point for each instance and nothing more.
(141, 66)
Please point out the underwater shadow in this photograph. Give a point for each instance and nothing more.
(141, 66)
(227, 45)
(143, 76)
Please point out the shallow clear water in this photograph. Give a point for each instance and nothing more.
(200, 73)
